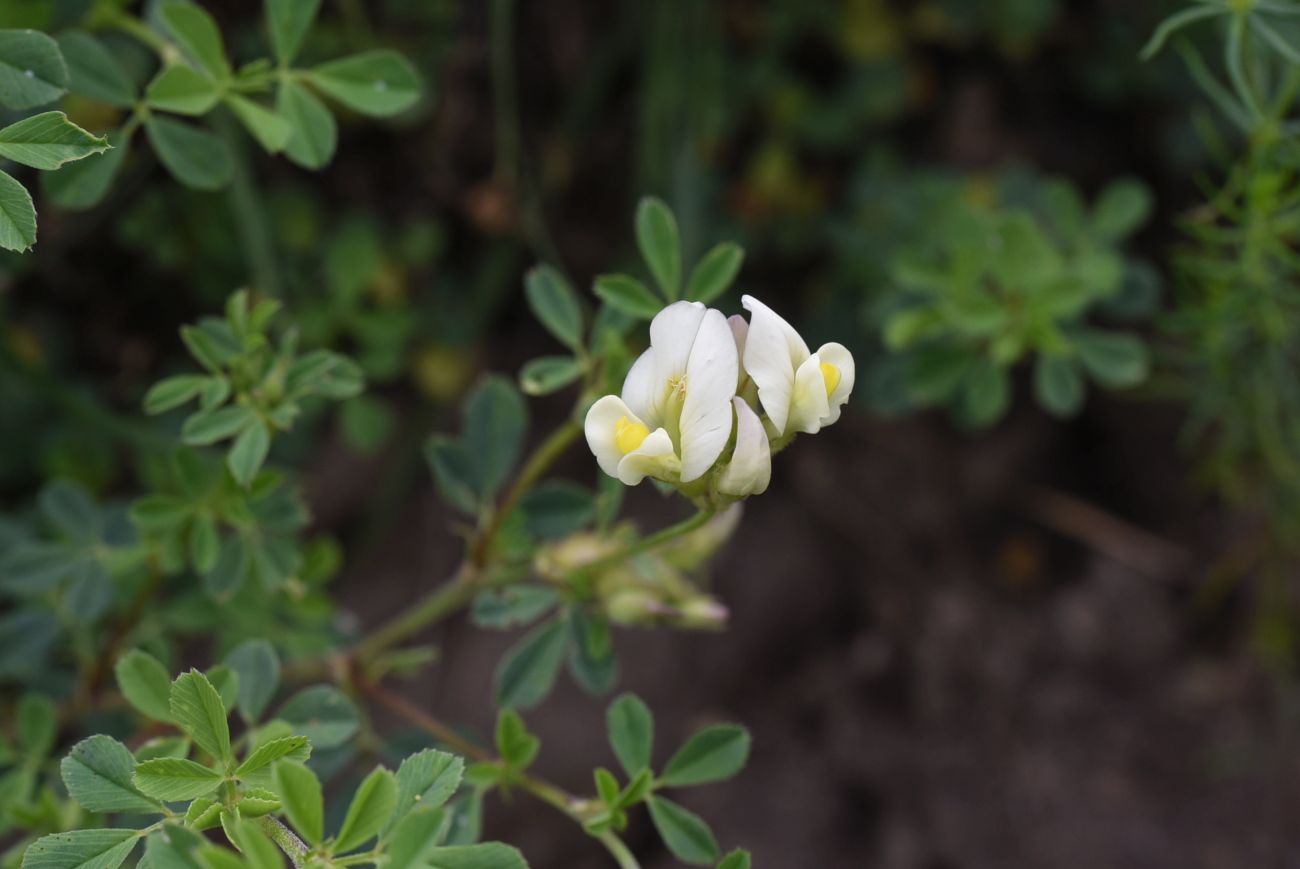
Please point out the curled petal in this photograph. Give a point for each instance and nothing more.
(773, 352)
(809, 404)
(838, 356)
(750, 468)
(654, 458)
(711, 374)
(601, 428)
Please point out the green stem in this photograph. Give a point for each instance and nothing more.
(538, 463)
(293, 847)
(438, 604)
(647, 543)
(248, 212)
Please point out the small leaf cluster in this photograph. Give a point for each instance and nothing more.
(658, 240)
(252, 387)
(33, 72)
(990, 285)
(63, 573)
(206, 778)
(713, 754)
(197, 78)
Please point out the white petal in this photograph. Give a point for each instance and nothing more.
(710, 383)
(750, 468)
(640, 393)
(601, 428)
(839, 356)
(808, 404)
(773, 351)
(739, 331)
(672, 333)
(654, 458)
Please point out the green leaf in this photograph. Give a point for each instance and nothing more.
(414, 837)
(173, 849)
(323, 714)
(426, 779)
(68, 507)
(98, 773)
(47, 141)
(83, 184)
(313, 133)
(197, 708)
(713, 754)
(198, 36)
(1123, 206)
(145, 684)
(627, 294)
(300, 796)
(80, 849)
(202, 429)
(714, 273)
(32, 71)
(194, 157)
(656, 236)
(248, 452)
(293, 747)
(258, 667)
(1113, 359)
(486, 855)
(548, 374)
(371, 806)
(163, 746)
(513, 606)
(226, 681)
(986, 395)
(684, 832)
(17, 215)
(181, 89)
(204, 545)
(258, 850)
(93, 71)
(175, 778)
(555, 304)
(288, 21)
(737, 859)
(453, 472)
(37, 725)
(270, 130)
(591, 654)
(557, 508)
(377, 83)
(234, 563)
(159, 513)
(630, 727)
(529, 669)
(495, 421)
(1058, 385)
(517, 747)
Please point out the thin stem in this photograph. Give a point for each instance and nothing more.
(437, 605)
(538, 463)
(647, 543)
(293, 847)
(247, 209)
(548, 793)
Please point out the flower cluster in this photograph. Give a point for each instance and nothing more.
(713, 397)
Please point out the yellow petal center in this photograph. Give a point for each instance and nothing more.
(831, 375)
(629, 434)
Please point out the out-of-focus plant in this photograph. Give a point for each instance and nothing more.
(987, 286)
(1236, 325)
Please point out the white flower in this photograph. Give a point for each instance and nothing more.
(674, 417)
(799, 391)
(750, 468)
